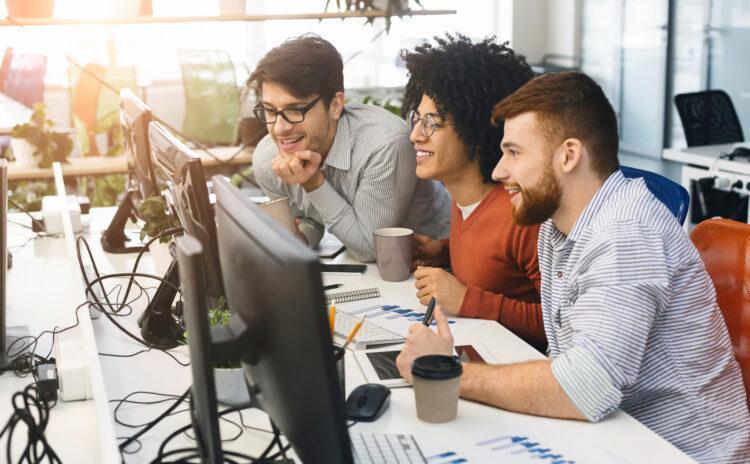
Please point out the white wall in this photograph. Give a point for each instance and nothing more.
(546, 26)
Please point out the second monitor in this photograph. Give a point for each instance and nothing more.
(180, 180)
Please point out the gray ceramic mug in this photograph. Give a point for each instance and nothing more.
(393, 253)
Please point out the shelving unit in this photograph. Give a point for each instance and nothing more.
(192, 19)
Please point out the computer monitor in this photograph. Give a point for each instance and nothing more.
(180, 180)
(134, 119)
(204, 412)
(8, 335)
(3, 254)
(273, 284)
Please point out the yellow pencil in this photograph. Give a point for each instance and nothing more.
(352, 334)
(331, 316)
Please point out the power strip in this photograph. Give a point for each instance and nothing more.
(72, 372)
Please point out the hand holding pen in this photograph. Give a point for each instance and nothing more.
(430, 313)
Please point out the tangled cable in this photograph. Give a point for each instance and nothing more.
(32, 411)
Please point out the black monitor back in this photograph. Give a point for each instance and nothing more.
(204, 407)
(134, 119)
(180, 179)
(3, 250)
(272, 281)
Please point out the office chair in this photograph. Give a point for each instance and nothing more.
(84, 96)
(93, 103)
(24, 77)
(674, 196)
(724, 246)
(212, 98)
(708, 118)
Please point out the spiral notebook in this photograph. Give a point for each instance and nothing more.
(354, 295)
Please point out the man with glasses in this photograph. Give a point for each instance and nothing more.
(453, 86)
(346, 169)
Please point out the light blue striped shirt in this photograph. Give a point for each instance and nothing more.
(632, 322)
(370, 183)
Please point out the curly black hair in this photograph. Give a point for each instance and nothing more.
(466, 80)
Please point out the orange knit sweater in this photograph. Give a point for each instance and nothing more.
(497, 260)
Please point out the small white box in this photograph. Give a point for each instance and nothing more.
(52, 214)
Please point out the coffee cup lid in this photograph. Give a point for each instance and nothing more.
(436, 367)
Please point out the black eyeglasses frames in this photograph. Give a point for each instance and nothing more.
(292, 115)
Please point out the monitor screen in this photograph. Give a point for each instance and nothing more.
(3, 250)
(180, 179)
(134, 119)
(272, 281)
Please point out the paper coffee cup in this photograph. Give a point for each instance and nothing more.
(281, 211)
(437, 380)
(393, 250)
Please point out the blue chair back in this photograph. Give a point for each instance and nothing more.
(674, 196)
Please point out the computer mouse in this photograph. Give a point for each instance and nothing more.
(740, 152)
(367, 402)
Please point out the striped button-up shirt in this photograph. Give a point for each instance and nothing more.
(370, 183)
(632, 322)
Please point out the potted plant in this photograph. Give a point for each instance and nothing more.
(389, 7)
(231, 7)
(35, 143)
(231, 386)
(229, 378)
(153, 211)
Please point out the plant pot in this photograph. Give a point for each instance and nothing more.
(231, 7)
(23, 152)
(162, 257)
(231, 387)
(30, 8)
(383, 4)
(124, 8)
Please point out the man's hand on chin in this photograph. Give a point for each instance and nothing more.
(302, 168)
(422, 341)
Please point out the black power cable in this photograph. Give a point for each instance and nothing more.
(97, 303)
(37, 225)
(32, 410)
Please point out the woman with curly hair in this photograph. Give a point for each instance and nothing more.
(452, 89)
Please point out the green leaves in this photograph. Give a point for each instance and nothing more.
(153, 211)
(50, 145)
(220, 314)
(387, 104)
(107, 189)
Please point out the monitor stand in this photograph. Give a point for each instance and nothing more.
(115, 238)
(11, 335)
(158, 323)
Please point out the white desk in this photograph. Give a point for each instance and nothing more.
(708, 157)
(705, 161)
(620, 438)
(42, 294)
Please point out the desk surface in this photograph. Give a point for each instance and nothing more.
(101, 165)
(12, 113)
(619, 438)
(708, 157)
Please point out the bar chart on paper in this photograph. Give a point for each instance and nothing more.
(522, 449)
(392, 312)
